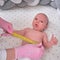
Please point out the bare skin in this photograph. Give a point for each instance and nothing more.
(40, 23)
(10, 54)
(6, 26)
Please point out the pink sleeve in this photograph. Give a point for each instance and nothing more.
(6, 26)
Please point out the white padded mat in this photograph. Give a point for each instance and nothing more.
(22, 17)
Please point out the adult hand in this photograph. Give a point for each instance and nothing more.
(6, 26)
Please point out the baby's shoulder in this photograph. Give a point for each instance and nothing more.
(27, 29)
(44, 33)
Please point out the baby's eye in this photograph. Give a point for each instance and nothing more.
(36, 19)
(41, 21)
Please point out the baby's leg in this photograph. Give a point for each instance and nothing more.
(8, 54)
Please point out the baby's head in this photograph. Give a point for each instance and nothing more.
(40, 22)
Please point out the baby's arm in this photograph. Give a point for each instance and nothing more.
(50, 43)
(22, 32)
(10, 54)
(7, 54)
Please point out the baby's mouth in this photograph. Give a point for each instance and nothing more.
(36, 25)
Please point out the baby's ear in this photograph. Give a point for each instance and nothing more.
(46, 26)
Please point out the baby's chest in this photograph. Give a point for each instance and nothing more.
(34, 35)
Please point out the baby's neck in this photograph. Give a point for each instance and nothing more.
(37, 30)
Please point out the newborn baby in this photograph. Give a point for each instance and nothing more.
(40, 23)
(33, 52)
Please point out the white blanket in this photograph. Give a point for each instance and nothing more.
(22, 17)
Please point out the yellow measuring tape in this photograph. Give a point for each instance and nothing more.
(24, 38)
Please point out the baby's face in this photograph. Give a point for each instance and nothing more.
(40, 22)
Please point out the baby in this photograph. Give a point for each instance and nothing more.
(34, 52)
(40, 23)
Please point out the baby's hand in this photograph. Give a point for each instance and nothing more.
(54, 40)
